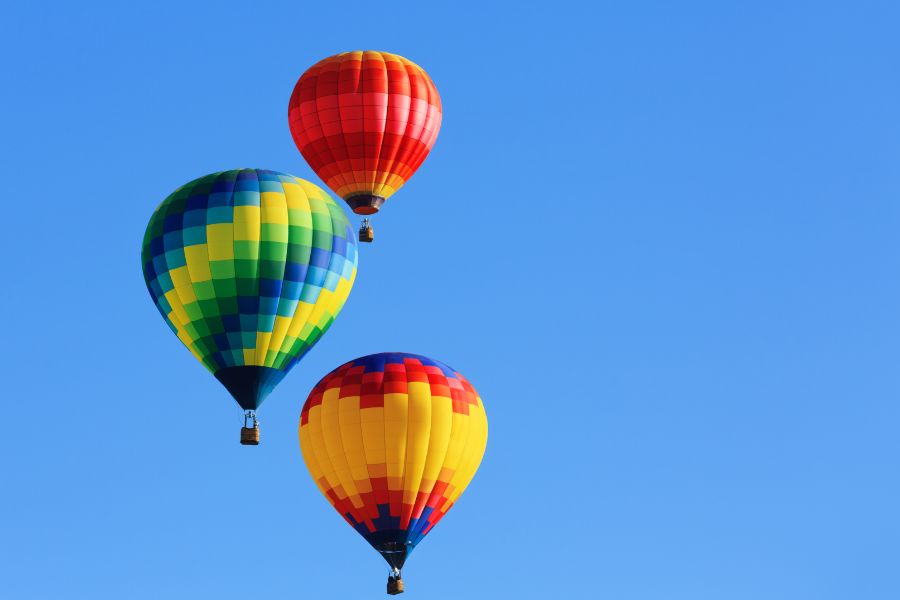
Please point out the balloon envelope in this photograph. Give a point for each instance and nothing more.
(392, 440)
(249, 268)
(365, 121)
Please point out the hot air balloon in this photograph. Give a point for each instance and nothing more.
(249, 268)
(392, 440)
(365, 121)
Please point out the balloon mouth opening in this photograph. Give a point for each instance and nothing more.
(365, 204)
(249, 384)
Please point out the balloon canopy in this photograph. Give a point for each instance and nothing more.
(249, 268)
(392, 440)
(365, 121)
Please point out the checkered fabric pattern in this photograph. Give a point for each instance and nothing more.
(392, 440)
(365, 121)
(249, 268)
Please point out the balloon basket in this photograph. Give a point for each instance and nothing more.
(394, 586)
(366, 233)
(250, 436)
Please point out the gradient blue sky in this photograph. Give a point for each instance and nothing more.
(660, 238)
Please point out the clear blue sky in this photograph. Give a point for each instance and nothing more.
(660, 238)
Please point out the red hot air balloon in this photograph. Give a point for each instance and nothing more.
(365, 121)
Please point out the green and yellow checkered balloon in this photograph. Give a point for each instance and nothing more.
(249, 268)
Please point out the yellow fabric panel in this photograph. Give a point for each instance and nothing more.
(249, 355)
(180, 277)
(459, 434)
(309, 457)
(471, 456)
(371, 421)
(197, 259)
(320, 449)
(342, 290)
(220, 241)
(184, 290)
(246, 223)
(301, 316)
(441, 423)
(273, 209)
(299, 205)
(331, 433)
(395, 426)
(177, 321)
(177, 308)
(294, 195)
(352, 439)
(186, 294)
(279, 333)
(323, 301)
(418, 433)
(262, 347)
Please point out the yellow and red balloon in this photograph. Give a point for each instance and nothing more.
(392, 440)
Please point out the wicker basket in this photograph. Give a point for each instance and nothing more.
(394, 587)
(250, 436)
